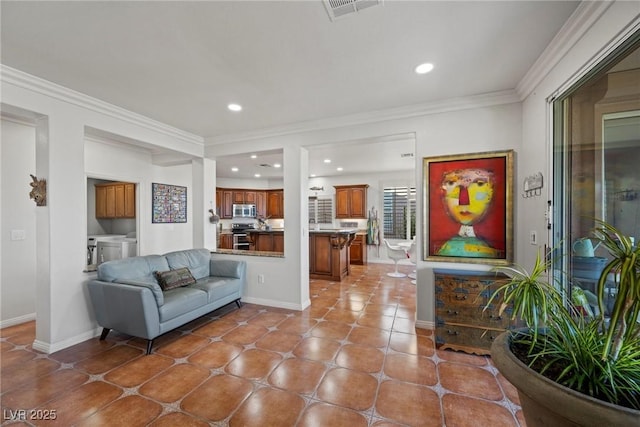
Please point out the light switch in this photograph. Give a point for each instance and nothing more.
(18, 235)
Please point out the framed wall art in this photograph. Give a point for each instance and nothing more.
(468, 208)
(169, 203)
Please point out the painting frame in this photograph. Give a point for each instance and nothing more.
(484, 236)
(169, 203)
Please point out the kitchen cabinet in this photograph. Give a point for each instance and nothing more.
(462, 323)
(226, 197)
(261, 204)
(275, 203)
(358, 250)
(351, 201)
(226, 241)
(115, 200)
(224, 203)
(244, 197)
(266, 241)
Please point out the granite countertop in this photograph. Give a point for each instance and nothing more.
(273, 230)
(249, 253)
(335, 231)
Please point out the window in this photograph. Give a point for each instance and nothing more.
(320, 210)
(596, 158)
(399, 212)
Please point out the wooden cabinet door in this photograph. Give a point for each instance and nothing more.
(219, 202)
(129, 200)
(342, 203)
(355, 251)
(358, 202)
(110, 202)
(261, 204)
(275, 205)
(278, 242)
(101, 201)
(119, 200)
(250, 197)
(227, 204)
(238, 197)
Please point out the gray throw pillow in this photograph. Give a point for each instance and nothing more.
(174, 278)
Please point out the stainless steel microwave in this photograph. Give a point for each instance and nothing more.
(244, 211)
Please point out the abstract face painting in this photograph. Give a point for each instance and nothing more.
(467, 194)
(468, 199)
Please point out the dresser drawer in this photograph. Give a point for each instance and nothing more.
(465, 338)
(473, 316)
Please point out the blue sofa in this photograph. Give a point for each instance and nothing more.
(126, 295)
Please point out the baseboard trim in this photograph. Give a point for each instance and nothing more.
(17, 320)
(277, 304)
(425, 324)
(49, 348)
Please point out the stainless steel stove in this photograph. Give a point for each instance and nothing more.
(239, 231)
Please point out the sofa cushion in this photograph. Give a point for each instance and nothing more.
(196, 260)
(139, 268)
(218, 287)
(174, 278)
(179, 301)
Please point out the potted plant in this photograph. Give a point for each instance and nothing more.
(570, 368)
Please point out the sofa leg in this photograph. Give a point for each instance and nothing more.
(238, 303)
(105, 332)
(149, 345)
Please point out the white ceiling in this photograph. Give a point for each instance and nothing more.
(286, 62)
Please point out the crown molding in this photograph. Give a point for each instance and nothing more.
(576, 26)
(36, 84)
(405, 112)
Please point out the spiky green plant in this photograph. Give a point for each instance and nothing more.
(596, 356)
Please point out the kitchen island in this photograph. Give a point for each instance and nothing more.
(329, 257)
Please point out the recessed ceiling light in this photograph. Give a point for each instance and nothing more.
(339, 169)
(424, 68)
(234, 107)
(313, 175)
(257, 175)
(254, 156)
(327, 160)
(276, 165)
(234, 169)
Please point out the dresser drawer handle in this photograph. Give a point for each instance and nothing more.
(454, 312)
(450, 332)
(461, 297)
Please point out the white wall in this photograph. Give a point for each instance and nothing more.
(64, 316)
(18, 260)
(619, 20)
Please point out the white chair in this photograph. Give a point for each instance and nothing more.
(396, 254)
(413, 260)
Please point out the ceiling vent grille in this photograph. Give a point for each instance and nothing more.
(403, 155)
(339, 8)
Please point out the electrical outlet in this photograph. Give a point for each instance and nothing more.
(533, 237)
(260, 279)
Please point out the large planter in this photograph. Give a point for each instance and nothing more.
(546, 403)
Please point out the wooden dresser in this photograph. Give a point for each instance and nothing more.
(461, 321)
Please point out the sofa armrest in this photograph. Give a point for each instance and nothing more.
(130, 309)
(227, 268)
(153, 287)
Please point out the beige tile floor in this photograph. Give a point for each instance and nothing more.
(354, 358)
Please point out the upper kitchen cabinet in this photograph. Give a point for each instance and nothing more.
(227, 197)
(351, 201)
(116, 200)
(275, 204)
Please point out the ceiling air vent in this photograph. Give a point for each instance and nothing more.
(403, 155)
(339, 8)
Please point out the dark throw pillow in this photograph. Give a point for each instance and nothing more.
(174, 278)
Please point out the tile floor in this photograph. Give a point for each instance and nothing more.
(354, 358)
